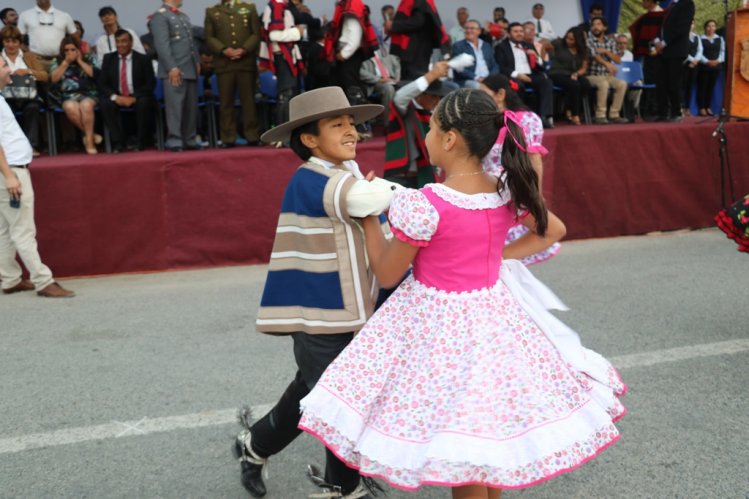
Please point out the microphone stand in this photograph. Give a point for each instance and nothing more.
(725, 164)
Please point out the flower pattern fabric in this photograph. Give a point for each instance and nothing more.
(453, 384)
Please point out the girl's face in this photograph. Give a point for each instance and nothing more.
(710, 28)
(435, 141)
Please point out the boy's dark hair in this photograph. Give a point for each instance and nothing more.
(295, 142)
(475, 115)
(595, 6)
(107, 10)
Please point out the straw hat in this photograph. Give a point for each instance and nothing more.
(316, 104)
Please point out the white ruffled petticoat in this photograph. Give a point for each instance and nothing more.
(483, 387)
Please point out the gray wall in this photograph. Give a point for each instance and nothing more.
(133, 13)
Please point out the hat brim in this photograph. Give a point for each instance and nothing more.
(361, 113)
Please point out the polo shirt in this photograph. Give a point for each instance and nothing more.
(12, 139)
(46, 29)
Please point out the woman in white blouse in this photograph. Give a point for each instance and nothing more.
(23, 64)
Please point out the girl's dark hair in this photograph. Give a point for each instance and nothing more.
(704, 26)
(67, 40)
(475, 115)
(295, 142)
(497, 82)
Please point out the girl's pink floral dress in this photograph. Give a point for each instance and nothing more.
(463, 376)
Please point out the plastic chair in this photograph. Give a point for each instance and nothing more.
(267, 97)
(630, 72)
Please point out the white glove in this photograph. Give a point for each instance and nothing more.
(367, 198)
(459, 63)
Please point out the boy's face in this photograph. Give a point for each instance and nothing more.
(336, 141)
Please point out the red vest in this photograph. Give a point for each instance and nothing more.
(354, 8)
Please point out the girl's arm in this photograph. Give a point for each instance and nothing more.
(531, 243)
(389, 260)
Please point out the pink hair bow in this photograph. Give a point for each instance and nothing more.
(515, 118)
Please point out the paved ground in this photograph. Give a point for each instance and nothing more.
(129, 390)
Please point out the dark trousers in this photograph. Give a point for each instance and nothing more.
(346, 76)
(689, 78)
(544, 89)
(144, 117)
(649, 104)
(706, 78)
(277, 429)
(229, 84)
(29, 110)
(668, 91)
(574, 91)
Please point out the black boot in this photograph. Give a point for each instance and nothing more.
(367, 489)
(252, 464)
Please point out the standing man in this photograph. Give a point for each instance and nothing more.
(543, 27)
(602, 74)
(519, 60)
(46, 27)
(126, 80)
(232, 34)
(416, 31)
(17, 229)
(179, 66)
(106, 43)
(673, 47)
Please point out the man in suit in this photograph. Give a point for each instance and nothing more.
(232, 33)
(179, 67)
(380, 74)
(484, 63)
(673, 48)
(518, 60)
(126, 80)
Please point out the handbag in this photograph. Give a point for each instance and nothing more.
(22, 87)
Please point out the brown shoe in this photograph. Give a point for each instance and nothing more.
(24, 285)
(54, 290)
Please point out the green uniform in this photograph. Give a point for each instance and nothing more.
(235, 25)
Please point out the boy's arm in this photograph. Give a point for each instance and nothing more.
(367, 198)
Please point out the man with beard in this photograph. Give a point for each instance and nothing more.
(602, 74)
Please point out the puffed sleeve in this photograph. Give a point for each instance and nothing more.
(534, 133)
(413, 219)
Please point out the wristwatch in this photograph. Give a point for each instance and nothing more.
(113, 97)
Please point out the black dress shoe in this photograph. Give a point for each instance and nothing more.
(548, 123)
(194, 147)
(255, 143)
(174, 148)
(226, 145)
(251, 465)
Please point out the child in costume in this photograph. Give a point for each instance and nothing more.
(319, 289)
(463, 378)
(504, 92)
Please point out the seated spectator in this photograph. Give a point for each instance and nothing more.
(74, 75)
(569, 65)
(85, 48)
(127, 80)
(596, 10)
(622, 48)
(543, 27)
(23, 64)
(540, 44)
(406, 159)
(380, 74)
(482, 53)
(106, 44)
(520, 61)
(603, 56)
(457, 32)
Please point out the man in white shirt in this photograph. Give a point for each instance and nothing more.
(457, 32)
(46, 27)
(106, 43)
(17, 229)
(543, 27)
(622, 42)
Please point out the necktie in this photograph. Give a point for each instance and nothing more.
(538, 26)
(381, 66)
(123, 78)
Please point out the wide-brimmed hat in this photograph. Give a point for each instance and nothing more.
(317, 104)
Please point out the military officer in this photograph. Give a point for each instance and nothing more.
(179, 65)
(232, 33)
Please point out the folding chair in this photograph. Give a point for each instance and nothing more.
(631, 73)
